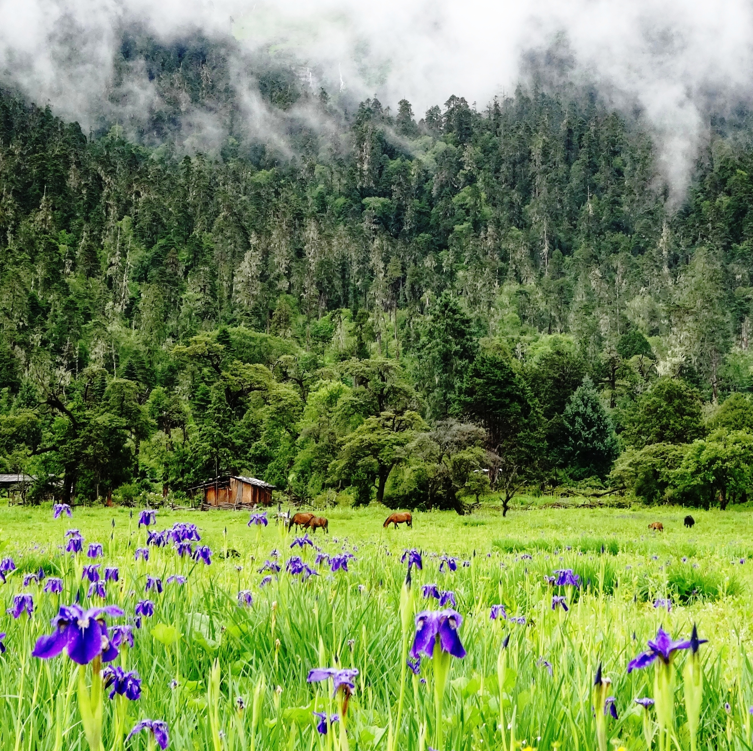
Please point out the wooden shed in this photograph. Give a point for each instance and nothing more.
(235, 491)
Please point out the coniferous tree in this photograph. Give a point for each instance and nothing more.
(590, 444)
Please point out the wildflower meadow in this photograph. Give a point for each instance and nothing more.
(565, 629)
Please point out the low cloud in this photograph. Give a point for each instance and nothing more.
(667, 58)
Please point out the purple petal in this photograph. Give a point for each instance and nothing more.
(448, 633)
(50, 646)
(427, 625)
(642, 661)
(85, 642)
(320, 674)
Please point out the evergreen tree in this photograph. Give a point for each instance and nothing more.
(590, 444)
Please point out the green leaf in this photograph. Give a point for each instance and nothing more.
(165, 634)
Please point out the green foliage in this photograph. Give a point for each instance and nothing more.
(590, 445)
(735, 413)
(495, 395)
(163, 319)
(649, 472)
(718, 468)
(670, 412)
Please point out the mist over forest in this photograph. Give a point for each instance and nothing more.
(291, 251)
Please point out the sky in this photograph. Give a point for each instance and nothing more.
(667, 57)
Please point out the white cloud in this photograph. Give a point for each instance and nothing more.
(665, 55)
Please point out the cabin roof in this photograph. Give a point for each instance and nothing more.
(225, 480)
(15, 479)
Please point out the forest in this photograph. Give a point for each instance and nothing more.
(421, 311)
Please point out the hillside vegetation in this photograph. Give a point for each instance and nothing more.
(409, 309)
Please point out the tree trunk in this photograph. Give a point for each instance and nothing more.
(384, 473)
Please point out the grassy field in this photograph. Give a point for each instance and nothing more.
(225, 674)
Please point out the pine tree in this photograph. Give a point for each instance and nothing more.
(590, 443)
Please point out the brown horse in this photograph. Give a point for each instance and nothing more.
(403, 517)
(301, 519)
(656, 526)
(317, 522)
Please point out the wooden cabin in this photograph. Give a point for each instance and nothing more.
(234, 492)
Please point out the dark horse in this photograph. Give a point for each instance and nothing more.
(689, 521)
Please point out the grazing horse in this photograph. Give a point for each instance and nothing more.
(656, 526)
(317, 522)
(301, 519)
(403, 517)
(689, 521)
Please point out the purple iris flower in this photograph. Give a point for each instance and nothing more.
(450, 562)
(341, 679)
(542, 663)
(413, 557)
(184, 531)
(414, 665)
(550, 579)
(447, 598)
(661, 603)
(97, 589)
(154, 582)
(158, 539)
(266, 580)
(663, 647)
(566, 578)
(142, 553)
(176, 578)
(120, 635)
(22, 604)
(145, 608)
(53, 586)
(441, 626)
(147, 517)
(202, 553)
(3, 648)
(61, 508)
(72, 533)
(295, 565)
(321, 558)
(158, 728)
(558, 601)
(609, 706)
(258, 519)
(645, 703)
(340, 562)
(112, 574)
(430, 590)
(75, 545)
(29, 578)
(83, 633)
(7, 565)
(321, 726)
(183, 547)
(245, 598)
(124, 682)
(95, 550)
(302, 541)
(497, 612)
(270, 566)
(90, 572)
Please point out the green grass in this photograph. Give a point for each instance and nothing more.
(353, 619)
